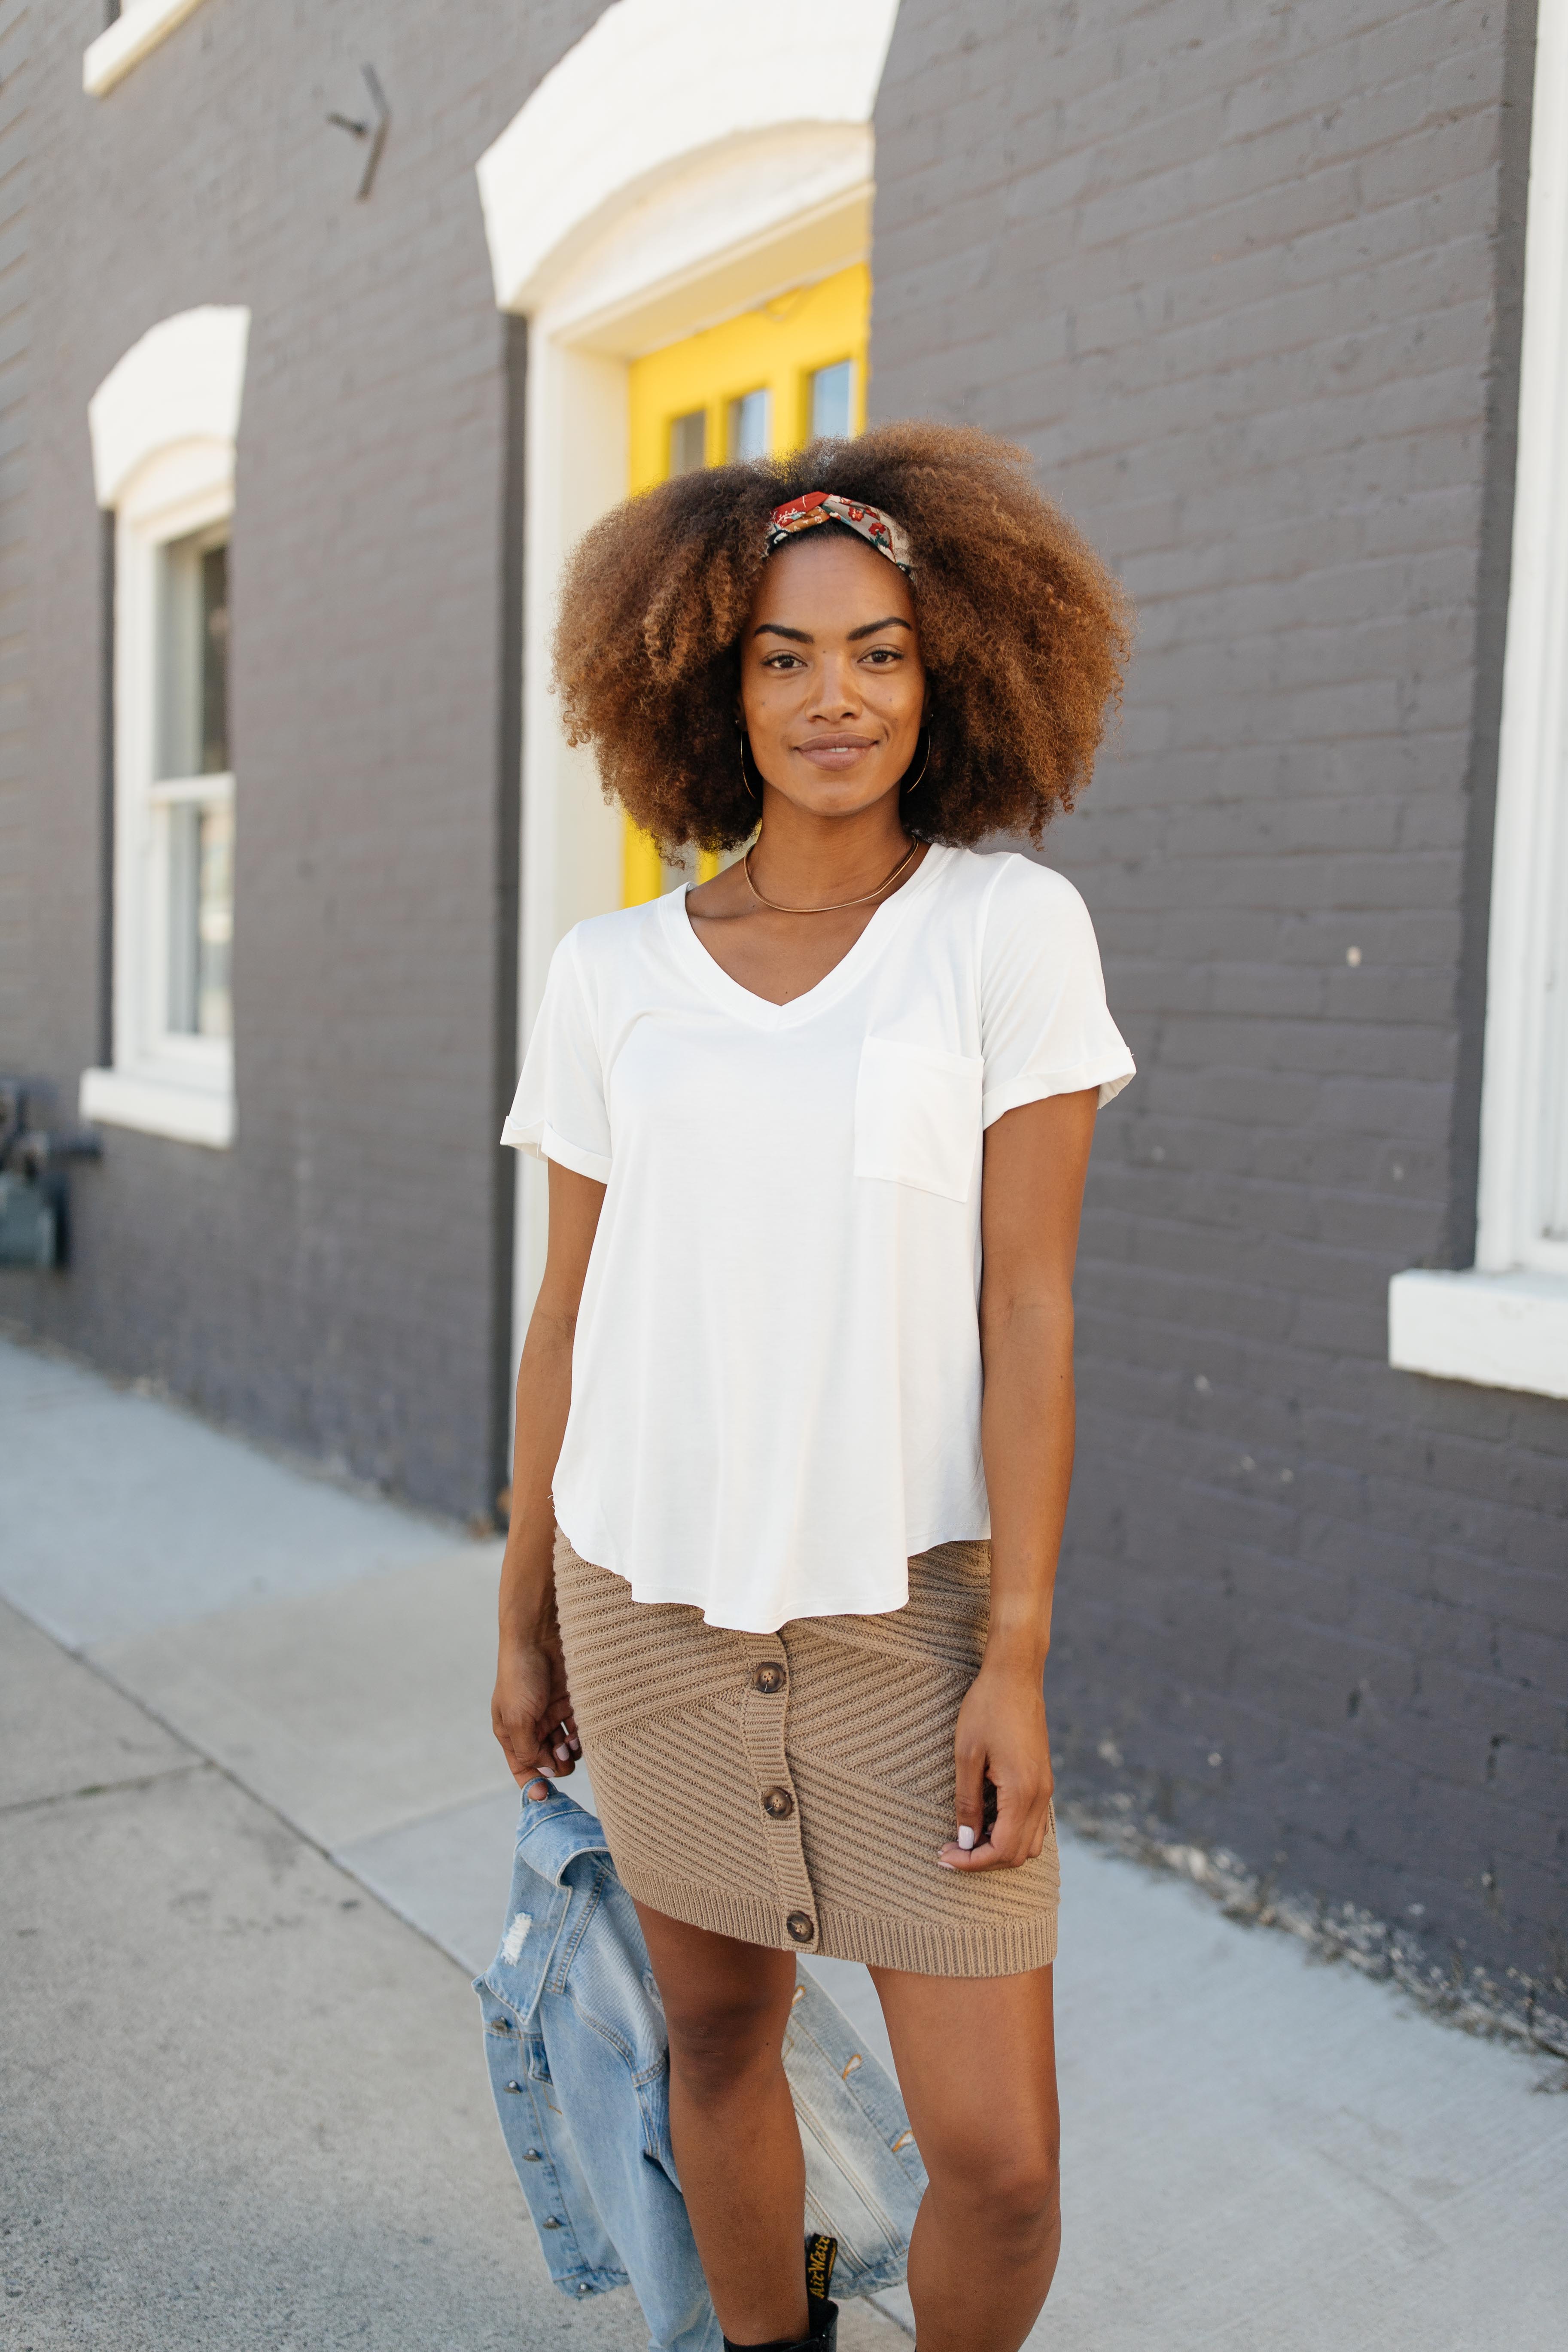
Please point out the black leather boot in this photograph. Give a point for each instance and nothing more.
(821, 2254)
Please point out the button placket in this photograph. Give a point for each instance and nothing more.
(764, 1711)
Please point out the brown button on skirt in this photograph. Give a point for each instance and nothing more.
(794, 1789)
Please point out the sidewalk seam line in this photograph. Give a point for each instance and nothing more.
(198, 1763)
(225, 1772)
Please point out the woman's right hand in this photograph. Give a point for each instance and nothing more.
(530, 1712)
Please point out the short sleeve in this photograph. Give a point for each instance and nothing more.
(1045, 1026)
(559, 1111)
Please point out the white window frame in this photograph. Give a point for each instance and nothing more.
(139, 27)
(174, 494)
(1504, 1322)
(164, 425)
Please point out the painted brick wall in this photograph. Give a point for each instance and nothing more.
(1245, 281)
(332, 1282)
(16, 927)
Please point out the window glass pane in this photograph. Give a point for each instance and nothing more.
(214, 661)
(751, 423)
(184, 855)
(689, 442)
(831, 390)
(193, 657)
(201, 919)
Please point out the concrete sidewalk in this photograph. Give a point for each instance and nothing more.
(246, 2104)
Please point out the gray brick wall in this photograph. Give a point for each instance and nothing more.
(1245, 283)
(338, 1281)
(15, 914)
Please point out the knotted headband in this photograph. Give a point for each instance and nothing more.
(877, 529)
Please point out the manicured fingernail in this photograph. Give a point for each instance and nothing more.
(576, 1746)
(563, 1753)
(945, 1866)
(966, 1841)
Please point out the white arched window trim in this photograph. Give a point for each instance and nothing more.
(163, 425)
(683, 161)
(1504, 1322)
(138, 28)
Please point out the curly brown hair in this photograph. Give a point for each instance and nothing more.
(1022, 630)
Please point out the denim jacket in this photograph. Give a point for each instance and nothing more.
(578, 2058)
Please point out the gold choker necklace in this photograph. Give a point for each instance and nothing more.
(840, 904)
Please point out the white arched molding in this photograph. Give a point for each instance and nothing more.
(654, 83)
(181, 383)
(688, 160)
(139, 27)
(162, 425)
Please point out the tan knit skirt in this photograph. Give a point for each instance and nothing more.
(794, 1789)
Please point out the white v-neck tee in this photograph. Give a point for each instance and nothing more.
(775, 1375)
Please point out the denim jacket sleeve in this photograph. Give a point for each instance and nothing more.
(579, 2062)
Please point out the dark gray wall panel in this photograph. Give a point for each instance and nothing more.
(18, 816)
(1245, 284)
(339, 1279)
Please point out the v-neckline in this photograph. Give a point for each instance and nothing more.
(760, 1011)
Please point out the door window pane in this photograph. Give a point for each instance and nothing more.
(201, 917)
(214, 660)
(689, 442)
(751, 425)
(193, 657)
(832, 389)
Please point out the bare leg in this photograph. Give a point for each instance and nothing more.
(733, 2124)
(976, 2060)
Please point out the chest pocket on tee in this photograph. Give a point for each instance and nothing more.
(917, 1117)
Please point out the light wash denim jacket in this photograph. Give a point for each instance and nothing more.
(578, 2057)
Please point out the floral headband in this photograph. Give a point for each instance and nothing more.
(878, 529)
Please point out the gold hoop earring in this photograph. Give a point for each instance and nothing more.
(925, 765)
(744, 778)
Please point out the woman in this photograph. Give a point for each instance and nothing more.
(797, 1390)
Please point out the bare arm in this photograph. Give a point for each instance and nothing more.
(1036, 1157)
(532, 1700)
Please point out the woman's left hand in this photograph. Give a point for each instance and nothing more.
(1002, 1738)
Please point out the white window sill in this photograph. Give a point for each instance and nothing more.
(1500, 1330)
(140, 26)
(159, 1106)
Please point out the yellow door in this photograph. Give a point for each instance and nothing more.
(753, 387)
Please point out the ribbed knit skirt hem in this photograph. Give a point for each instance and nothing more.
(794, 1789)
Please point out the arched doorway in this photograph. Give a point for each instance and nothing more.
(672, 178)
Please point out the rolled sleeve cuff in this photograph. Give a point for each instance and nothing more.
(1109, 1073)
(541, 1141)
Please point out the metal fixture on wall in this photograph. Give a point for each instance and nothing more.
(34, 1228)
(374, 130)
